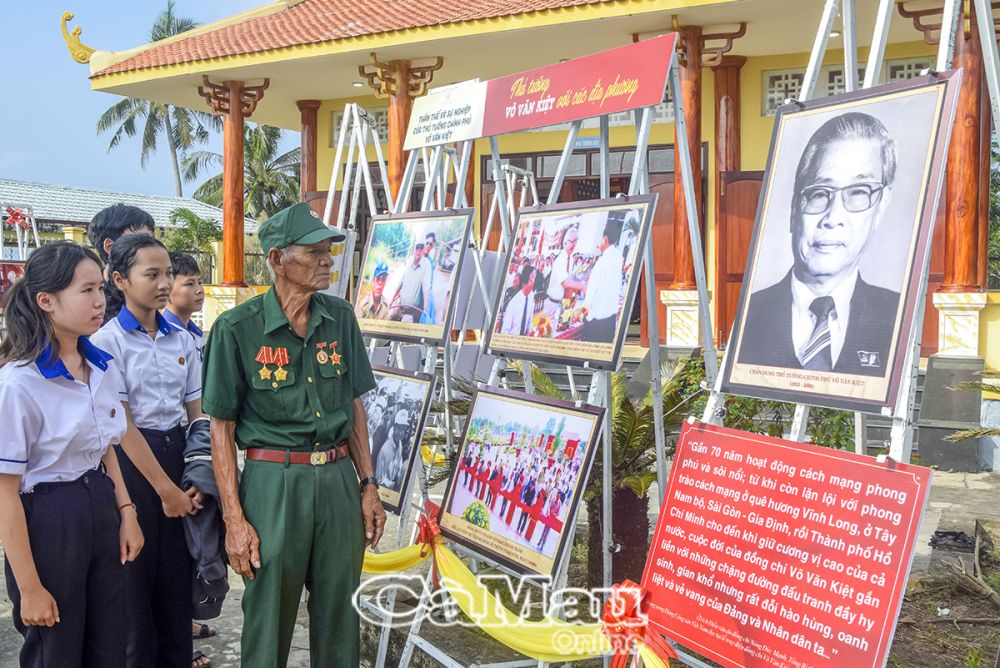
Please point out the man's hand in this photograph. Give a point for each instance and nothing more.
(243, 547)
(177, 503)
(38, 608)
(374, 515)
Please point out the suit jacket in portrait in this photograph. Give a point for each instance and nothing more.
(767, 331)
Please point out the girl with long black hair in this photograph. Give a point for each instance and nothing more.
(67, 522)
(161, 391)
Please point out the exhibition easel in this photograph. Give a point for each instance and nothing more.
(901, 433)
(357, 129)
(601, 387)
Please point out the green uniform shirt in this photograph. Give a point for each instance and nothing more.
(283, 391)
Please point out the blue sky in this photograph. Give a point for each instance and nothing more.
(48, 112)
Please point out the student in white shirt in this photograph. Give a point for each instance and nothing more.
(161, 391)
(187, 296)
(67, 522)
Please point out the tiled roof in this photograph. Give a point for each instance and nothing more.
(314, 21)
(79, 205)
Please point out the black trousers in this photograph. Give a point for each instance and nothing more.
(73, 531)
(158, 583)
(599, 331)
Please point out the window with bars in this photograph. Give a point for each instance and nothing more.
(381, 115)
(781, 85)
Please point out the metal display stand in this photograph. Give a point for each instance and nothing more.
(357, 129)
(901, 434)
(600, 391)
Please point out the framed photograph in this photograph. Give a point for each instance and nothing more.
(407, 281)
(396, 411)
(570, 277)
(841, 243)
(522, 470)
(10, 271)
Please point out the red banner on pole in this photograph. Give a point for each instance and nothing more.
(620, 79)
(628, 77)
(774, 553)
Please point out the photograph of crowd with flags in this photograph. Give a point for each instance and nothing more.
(523, 465)
(408, 274)
(571, 276)
(395, 409)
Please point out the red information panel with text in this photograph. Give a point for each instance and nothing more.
(620, 79)
(775, 553)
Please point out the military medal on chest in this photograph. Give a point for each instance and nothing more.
(327, 353)
(274, 356)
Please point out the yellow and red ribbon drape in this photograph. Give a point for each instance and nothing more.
(622, 625)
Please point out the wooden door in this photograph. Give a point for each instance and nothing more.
(663, 253)
(739, 193)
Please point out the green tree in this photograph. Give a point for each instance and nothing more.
(181, 128)
(191, 232)
(270, 179)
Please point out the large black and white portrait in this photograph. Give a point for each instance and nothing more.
(842, 235)
(396, 409)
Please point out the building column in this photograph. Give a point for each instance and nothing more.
(681, 296)
(959, 301)
(307, 169)
(235, 102)
(400, 82)
(75, 234)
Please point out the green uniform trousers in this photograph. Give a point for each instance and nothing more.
(311, 534)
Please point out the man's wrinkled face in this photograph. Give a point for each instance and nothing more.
(837, 212)
(308, 266)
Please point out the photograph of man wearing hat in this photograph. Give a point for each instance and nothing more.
(283, 377)
(373, 305)
(394, 453)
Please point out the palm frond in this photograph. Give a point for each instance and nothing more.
(980, 432)
(195, 162)
(154, 124)
(210, 192)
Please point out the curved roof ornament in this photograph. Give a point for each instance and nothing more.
(80, 52)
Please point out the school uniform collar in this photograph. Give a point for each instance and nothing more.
(274, 316)
(51, 366)
(174, 320)
(128, 322)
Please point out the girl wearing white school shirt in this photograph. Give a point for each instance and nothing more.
(161, 379)
(67, 522)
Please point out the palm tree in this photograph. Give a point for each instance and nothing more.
(183, 128)
(270, 180)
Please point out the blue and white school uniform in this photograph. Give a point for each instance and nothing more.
(195, 330)
(159, 375)
(56, 430)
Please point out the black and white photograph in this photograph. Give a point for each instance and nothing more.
(396, 410)
(842, 235)
(570, 278)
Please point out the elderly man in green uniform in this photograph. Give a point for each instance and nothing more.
(284, 373)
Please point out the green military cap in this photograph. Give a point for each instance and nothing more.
(297, 224)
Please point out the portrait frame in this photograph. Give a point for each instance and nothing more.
(487, 542)
(392, 500)
(860, 388)
(416, 223)
(553, 347)
(9, 268)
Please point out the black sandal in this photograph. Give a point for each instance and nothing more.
(204, 631)
(200, 655)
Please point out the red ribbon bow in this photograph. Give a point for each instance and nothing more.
(16, 217)
(625, 623)
(429, 531)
